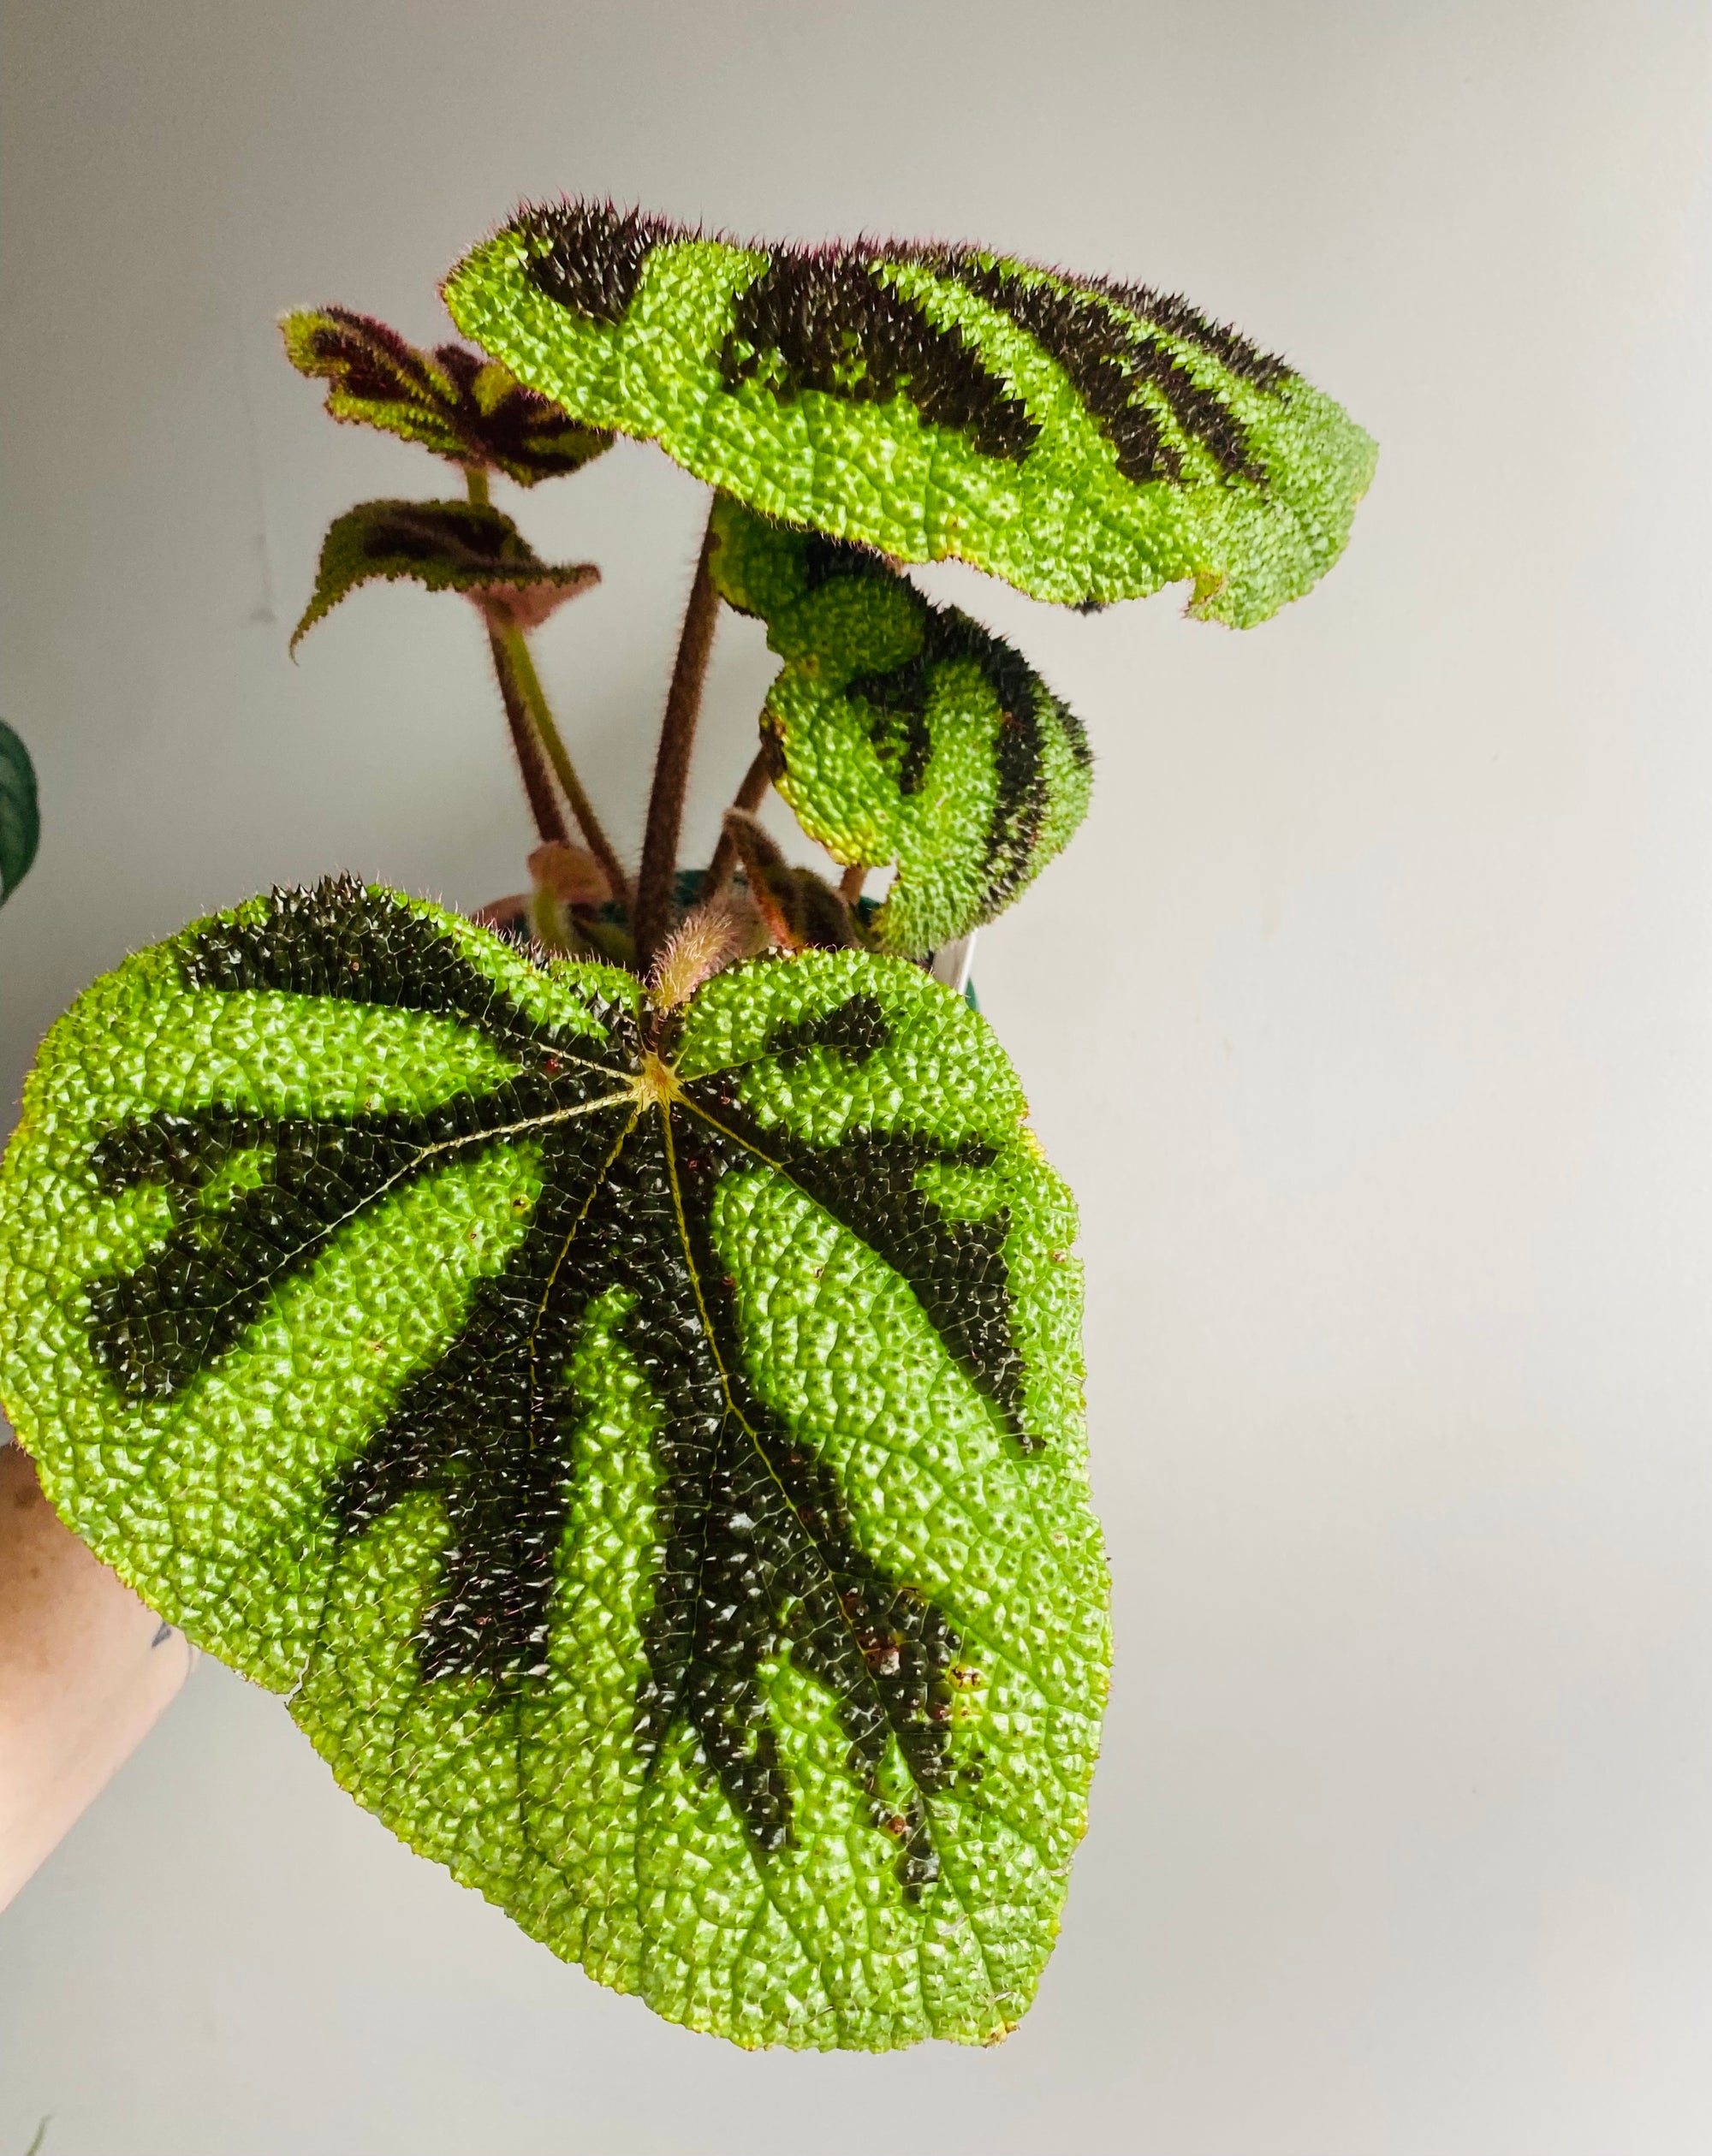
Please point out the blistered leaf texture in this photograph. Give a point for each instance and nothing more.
(655, 1474)
(905, 733)
(21, 825)
(471, 411)
(446, 546)
(1086, 440)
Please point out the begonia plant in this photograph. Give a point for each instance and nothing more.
(613, 1363)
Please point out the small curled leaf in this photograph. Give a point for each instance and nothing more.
(449, 546)
(1085, 439)
(905, 732)
(20, 814)
(455, 402)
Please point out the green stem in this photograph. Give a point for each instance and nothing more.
(533, 729)
(543, 805)
(656, 884)
(512, 646)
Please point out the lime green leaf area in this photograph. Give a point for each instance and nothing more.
(654, 1473)
(473, 410)
(905, 732)
(21, 826)
(448, 546)
(1085, 440)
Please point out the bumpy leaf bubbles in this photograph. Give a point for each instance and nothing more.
(649, 1461)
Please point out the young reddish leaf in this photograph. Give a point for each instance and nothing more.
(712, 936)
(449, 546)
(470, 410)
(570, 873)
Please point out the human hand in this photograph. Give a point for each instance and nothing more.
(85, 1670)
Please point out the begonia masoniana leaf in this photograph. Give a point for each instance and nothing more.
(21, 826)
(1086, 440)
(656, 1477)
(449, 546)
(455, 402)
(904, 732)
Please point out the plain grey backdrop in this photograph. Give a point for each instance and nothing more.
(1371, 1016)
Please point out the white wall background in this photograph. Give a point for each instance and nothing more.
(1372, 1017)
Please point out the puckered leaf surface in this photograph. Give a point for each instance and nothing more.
(475, 412)
(449, 546)
(905, 732)
(1085, 440)
(656, 1478)
(20, 814)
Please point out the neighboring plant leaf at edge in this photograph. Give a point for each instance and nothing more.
(20, 812)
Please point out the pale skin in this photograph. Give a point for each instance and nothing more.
(85, 1671)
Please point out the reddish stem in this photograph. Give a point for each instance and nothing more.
(656, 884)
(756, 781)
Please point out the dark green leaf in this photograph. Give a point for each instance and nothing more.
(449, 546)
(655, 1474)
(474, 412)
(20, 818)
(1085, 439)
(905, 732)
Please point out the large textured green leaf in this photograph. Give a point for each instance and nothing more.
(655, 1474)
(20, 825)
(1086, 440)
(905, 732)
(448, 546)
(473, 411)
